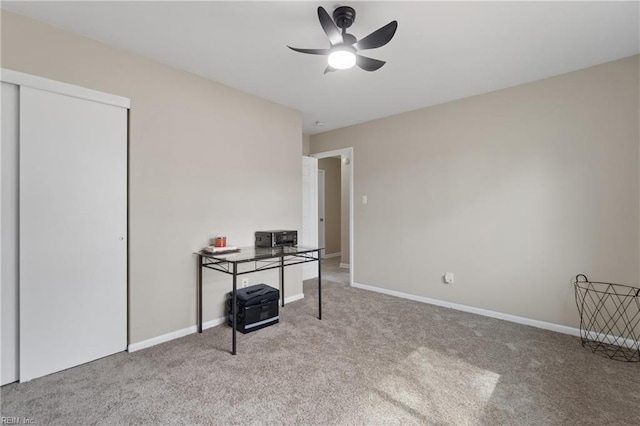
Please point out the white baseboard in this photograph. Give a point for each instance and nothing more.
(191, 330)
(293, 298)
(329, 256)
(173, 335)
(479, 311)
(612, 340)
(345, 265)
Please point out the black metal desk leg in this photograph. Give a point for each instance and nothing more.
(234, 307)
(319, 287)
(199, 294)
(282, 280)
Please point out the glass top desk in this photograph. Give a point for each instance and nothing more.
(254, 259)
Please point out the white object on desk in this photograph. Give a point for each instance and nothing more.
(214, 249)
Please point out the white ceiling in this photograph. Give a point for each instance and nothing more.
(442, 51)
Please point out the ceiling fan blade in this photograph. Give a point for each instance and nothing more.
(368, 64)
(378, 38)
(311, 51)
(329, 68)
(330, 29)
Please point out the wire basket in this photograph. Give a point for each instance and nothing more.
(609, 318)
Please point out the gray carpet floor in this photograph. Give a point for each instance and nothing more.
(373, 359)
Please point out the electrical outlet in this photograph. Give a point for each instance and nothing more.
(245, 282)
(448, 278)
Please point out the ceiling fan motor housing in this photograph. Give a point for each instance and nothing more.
(344, 16)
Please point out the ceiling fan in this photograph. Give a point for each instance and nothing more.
(343, 53)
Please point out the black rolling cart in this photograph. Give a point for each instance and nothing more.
(254, 259)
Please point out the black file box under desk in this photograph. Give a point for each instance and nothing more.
(257, 307)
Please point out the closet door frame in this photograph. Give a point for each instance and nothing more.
(41, 83)
(9, 249)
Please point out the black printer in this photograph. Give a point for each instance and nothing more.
(257, 307)
(278, 238)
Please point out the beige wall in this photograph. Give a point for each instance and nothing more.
(514, 191)
(332, 200)
(306, 150)
(200, 156)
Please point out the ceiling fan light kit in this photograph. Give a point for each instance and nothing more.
(343, 53)
(342, 57)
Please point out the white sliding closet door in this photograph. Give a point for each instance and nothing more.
(73, 228)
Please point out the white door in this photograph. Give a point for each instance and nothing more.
(9, 248)
(321, 212)
(309, 235)
(73, 228)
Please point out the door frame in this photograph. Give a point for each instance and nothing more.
(309, 230)
(9, 248)
(345, 152)
(321, 213)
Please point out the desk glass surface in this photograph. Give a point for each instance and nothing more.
(264, 258)
(249, 254)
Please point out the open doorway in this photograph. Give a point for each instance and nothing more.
(335, 208)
